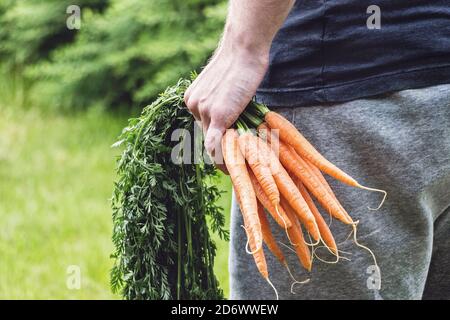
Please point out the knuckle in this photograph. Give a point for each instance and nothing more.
(203, 100)
(203, 110)
(186, 96)
(191, 103)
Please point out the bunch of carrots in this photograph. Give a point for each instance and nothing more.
(275, 168)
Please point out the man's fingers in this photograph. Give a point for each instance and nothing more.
(213, 139)
(219, 156)
(192, 105)
(205, 118)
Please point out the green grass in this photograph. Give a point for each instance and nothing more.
(56, 174)
(56, 177)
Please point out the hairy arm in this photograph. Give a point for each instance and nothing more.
(229, 81)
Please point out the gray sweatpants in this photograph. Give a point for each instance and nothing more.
(398, 142)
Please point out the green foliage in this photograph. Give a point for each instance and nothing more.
(31, 29)
(131, 52)
(163, 247)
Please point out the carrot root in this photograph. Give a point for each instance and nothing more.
(286, 246)
(298, 282)
(295, 280)
(348, 237)
(338, 257)
(330, 221)
(313, 244)
(355, 240)
(326, 261)
(336, 254)
(340, 251)
(247, 243)
(376, 190)
(361, 245)
(273, 287)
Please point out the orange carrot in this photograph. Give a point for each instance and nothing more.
(268, 236)
(235, 163)
(322, 179)
(324, 182)
(288, 189)
(259, 164)
(325, 232)
(296, 201)
(258, 255)
(295, 233)
(280, 217)
(297, 166)
(243, 188)
(260, 260)
(290, 135)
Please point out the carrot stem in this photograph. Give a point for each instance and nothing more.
(252, 119)
(241, 126)
(259, 108)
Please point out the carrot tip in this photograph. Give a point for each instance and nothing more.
(291, 249)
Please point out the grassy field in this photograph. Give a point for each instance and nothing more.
(56, 175)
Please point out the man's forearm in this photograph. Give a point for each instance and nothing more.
(252, 24)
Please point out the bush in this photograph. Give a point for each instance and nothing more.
(131, 52)
(31, 30)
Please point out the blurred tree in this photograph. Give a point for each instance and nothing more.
(31, 29)
(131, 52)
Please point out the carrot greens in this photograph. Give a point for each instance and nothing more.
(163, 249)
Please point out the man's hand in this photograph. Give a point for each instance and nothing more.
(223, 89)
(221, 92)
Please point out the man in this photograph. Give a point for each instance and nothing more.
(366, 82)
